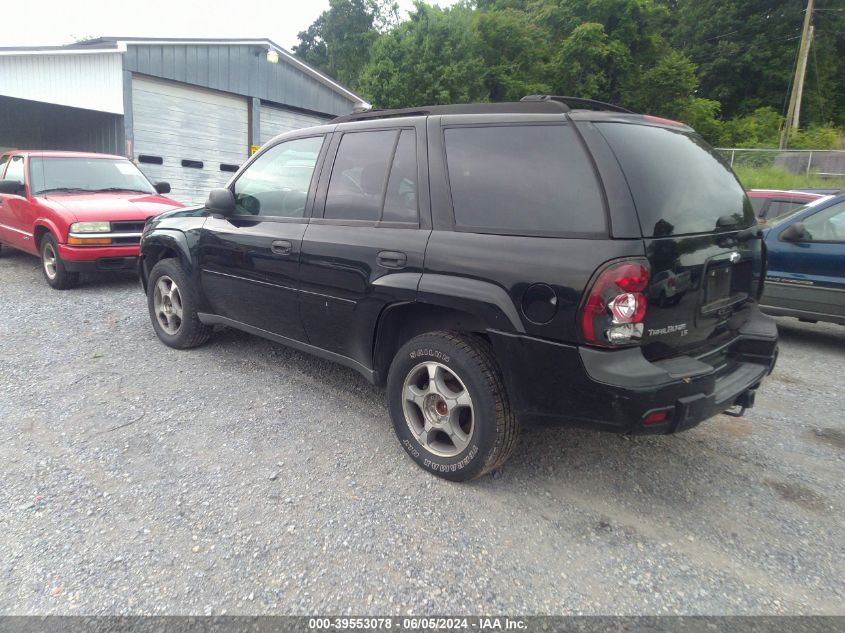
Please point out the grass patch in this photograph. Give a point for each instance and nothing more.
(779, 178)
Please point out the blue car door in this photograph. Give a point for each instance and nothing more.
(807, 269)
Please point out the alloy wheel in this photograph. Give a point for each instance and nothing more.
(438, 409)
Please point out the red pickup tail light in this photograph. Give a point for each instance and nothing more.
(615, 307)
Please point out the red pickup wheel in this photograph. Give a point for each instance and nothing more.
(53, 267)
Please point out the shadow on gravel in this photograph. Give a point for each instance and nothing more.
(829, 337)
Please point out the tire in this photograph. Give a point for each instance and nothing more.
(458, 426)
(172, 304)
(53, 267)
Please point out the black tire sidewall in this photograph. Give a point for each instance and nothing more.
(472, 461)
(172, 269)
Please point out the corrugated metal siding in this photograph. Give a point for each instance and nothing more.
(34, 125)
(93, 82)
(276, 120)
(240, 69)
(180, 122)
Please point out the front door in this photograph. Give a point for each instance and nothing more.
(808, 274)
(250, 260)
(366, 244)
(15, 211)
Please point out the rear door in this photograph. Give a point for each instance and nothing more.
(365, 246)
(690, 207)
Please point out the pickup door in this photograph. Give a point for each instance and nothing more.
(15, 210)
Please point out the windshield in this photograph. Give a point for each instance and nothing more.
(84, 175)
(679, 183)
(785, 216)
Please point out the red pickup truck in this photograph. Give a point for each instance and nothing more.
(77, 211)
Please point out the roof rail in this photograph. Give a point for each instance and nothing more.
(526, 107)
(365, 115)
(578, 102)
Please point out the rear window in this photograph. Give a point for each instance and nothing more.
(523, 179)
(680, 185)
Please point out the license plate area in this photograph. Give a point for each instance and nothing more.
(724, 286)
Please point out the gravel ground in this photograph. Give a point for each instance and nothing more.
(246, 478)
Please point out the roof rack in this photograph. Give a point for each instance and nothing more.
(550, 107)
(550, 104)
(577, 103)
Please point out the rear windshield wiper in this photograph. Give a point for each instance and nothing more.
(63, 190)
(120, 189)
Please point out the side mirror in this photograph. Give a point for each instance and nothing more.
(221, 202)
(162, 187)
(12, 187)
(794, 233)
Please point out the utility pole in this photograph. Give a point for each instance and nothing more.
(793, 115)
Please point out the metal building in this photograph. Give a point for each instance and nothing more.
(187, 111)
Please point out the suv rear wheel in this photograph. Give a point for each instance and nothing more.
(172, 302)
(449, 406)
(53, 267)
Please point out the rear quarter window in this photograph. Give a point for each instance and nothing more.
(523, 180)
(679, 184)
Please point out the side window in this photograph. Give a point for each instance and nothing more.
(757, 204)
(827, 225)
(400, 200)
(359, 175)
(3, 161)
(277, 183)
(524, 179)
(779, 207)
(15, 169)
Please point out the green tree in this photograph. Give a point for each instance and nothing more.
(513, 51)
(431, 58)
(339, 40)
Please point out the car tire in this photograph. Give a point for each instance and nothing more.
(449, 406)
(53, 267)
(172, 303)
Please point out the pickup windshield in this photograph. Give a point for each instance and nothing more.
(53, 174)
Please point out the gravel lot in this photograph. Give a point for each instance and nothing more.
(246, 478)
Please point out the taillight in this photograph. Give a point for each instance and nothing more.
(615, 307)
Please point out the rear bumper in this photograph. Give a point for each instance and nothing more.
(95, 258)
(616, 390)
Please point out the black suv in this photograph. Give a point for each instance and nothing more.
(491, 265)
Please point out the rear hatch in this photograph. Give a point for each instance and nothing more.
(704, 280)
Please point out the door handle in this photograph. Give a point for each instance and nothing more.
(392, 259)
(281, 247)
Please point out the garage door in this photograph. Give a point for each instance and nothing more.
(276, 120)
(190, 137)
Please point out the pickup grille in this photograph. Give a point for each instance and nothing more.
(134, 226)
(131, 226)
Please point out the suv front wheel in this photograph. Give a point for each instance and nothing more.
(449, 406)
(172, 302)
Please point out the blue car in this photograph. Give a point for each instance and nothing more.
(806, 276)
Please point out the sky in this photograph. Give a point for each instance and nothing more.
(62, 22)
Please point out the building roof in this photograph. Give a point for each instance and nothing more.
(110, 44)
(285, 54)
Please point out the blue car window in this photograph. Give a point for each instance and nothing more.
(828, 225)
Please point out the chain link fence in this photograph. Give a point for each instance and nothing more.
(822, 164)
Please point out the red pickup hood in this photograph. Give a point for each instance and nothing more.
(106, 207)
